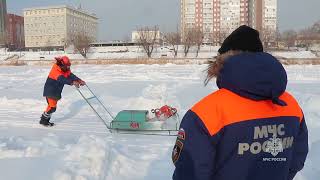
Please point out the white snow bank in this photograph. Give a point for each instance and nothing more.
(295, 54)
(83, 159)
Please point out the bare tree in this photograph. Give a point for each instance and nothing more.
(289, 38)
(173, 39)
(210, 38)
(81, 42)
(148, 37)
(222, 36)
(278, 38)
(187, 40)
(197, 36)
(316, 27)
(309, 36)
(192, 37)
(306, 38)
(268, 36)
(216, 38)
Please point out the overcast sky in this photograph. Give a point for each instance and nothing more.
(117, 18)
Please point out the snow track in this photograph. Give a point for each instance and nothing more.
(79, 147)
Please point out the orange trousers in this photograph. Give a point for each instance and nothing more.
(52, 105)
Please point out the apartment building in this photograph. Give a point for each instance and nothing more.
(57, 26)
(15, 32)
(3, 22)
(218, 18)
(264, 14)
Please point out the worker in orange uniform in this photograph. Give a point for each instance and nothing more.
(251, 128)
(59, 75)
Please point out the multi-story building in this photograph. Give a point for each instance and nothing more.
(218, 18)
(15, 31)
(266, 21)
(233, 13)
(192, 16)
(57, 26)
(263, 14)
(3, 22)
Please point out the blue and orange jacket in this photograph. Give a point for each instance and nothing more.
(56, 81)
(249, 129)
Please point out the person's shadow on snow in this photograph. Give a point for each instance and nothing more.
(74, 109)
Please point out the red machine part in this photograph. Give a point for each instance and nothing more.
(165, 111)
(134, 125)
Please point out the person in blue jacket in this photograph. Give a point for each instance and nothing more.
(251, 128)
(59, 75)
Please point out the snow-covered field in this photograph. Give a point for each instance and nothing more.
(134, 52)
(80, 148)
(294, 54)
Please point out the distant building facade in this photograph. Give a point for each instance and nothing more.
(150, 35)
(57, 26)
(3, 22)
(15, 32)
(218, 18)
(263, 17)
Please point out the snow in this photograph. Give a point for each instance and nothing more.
(294, 54)
(136, 52)
(80, 148)
(130, 52)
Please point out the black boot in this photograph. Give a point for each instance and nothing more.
(45, 118)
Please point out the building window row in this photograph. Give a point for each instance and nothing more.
(44, 25)
(48, 37)
(44, 11)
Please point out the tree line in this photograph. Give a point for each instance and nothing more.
(303, 38)
(149, 37)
